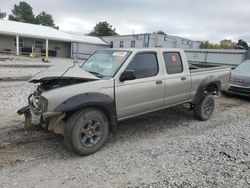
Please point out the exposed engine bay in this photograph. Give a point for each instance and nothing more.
(48, 84)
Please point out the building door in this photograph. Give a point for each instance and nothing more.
(39, 46)
(58, 49)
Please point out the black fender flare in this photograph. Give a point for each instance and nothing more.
(200, 93)
(104, 102)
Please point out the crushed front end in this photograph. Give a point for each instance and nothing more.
(37, 116)
(52, 90)
(34, 111)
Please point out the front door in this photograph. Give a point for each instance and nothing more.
(146, 92)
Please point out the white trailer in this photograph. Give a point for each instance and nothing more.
(150, 40)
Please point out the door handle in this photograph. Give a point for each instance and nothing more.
(158, 82)
(183, 78)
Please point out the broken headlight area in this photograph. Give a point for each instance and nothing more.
(37, 103)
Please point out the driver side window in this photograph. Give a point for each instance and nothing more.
(145, 65)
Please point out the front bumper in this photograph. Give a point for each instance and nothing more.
(24, 110)
(239, 90)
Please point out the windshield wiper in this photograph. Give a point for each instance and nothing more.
(96, 74)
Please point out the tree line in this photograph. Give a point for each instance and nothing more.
(23, 12)
(225, 44)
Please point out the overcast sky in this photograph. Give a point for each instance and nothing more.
(212, 20)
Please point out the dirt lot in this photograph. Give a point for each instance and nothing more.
(164, 149)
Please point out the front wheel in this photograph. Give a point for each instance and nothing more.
(86, 131)
(205, 108)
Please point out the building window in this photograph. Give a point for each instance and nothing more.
(136, 37)
(21, 42)
(191, 44)
(57, 46)
(146, 40)
(165, 38)
(39, 44)
(146, 45)
(121, 44)
(133, 44)
(111, 45)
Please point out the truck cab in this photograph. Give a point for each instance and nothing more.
(161, 80)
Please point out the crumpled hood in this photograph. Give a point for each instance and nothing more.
(64, 70)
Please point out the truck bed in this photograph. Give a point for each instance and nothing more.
(200, 72)
(206, 69)
(201, 67)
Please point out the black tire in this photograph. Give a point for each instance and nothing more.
(205, 108)
(86, 131)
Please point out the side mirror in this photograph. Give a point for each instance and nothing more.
(128, 75)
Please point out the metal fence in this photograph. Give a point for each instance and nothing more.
(216, 56)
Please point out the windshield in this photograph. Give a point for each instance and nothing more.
(244, 67)
(105, 63)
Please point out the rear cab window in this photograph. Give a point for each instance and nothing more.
(145, 65)
(173, 62)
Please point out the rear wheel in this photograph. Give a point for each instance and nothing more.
(205, 108)
(86, 131)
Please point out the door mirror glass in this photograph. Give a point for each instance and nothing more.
(128, 75)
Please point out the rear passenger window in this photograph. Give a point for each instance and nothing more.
(144, 65)
(173, 62)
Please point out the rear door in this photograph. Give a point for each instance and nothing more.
(146, 92)
(177, 78)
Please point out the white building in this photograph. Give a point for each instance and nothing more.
(24, 38)
(149, 40)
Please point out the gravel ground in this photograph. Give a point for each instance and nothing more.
(13, 96)
(163, 149)
(19, 71)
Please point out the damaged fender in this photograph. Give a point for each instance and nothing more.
(101, 101)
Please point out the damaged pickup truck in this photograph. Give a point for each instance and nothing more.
(85, 102)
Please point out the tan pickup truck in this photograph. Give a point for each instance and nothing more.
(85, 102)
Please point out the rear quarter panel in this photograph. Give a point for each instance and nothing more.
(220, 73)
